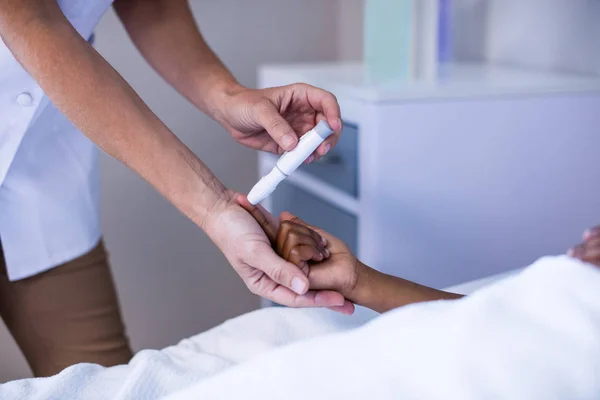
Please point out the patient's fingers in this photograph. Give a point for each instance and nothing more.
(292, 238)
(286, 216)
(267, 222)
(290, 226)
(299, 255)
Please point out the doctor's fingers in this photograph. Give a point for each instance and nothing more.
(312, 298)
(346, 309)
(328, 108)
(277, 270)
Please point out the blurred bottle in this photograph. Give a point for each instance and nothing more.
(445, 55)
(425, 41)
(406, 39)
(388, 40)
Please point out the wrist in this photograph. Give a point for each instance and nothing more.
(364, 288)
(195, 190)
(214, 94)
(212, 212)
(213, 222)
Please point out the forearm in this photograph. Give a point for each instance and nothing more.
(381, 292)
(167, 36)
(103, 106)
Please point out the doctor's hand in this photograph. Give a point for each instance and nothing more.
(248, 249)
(272, 119)
(326, 260)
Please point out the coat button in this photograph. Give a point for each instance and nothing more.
(24, 99)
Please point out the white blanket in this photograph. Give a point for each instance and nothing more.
(153, 373)
(535, 335)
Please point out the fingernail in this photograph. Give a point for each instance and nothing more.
(326, 149)
(324, 240)
(339, 121)
(587, 234)
(310, 159)
(570, 252)
(298, 285)
(327, 253)
(288, 141)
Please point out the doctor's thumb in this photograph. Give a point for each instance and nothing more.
(285, 273)
(277, 127)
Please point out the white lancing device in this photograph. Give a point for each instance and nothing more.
(289, 162)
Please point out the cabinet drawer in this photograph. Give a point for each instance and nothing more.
(316, 212)
(339, 167)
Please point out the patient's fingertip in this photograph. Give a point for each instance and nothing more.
(243, 202)
(285, 216)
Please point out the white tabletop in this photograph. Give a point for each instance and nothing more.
(459, 80)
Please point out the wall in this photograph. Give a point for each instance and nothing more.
(559, 34)
(173, 282)
(555, 34)
(350, 29)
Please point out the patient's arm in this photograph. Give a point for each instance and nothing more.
(331, 265)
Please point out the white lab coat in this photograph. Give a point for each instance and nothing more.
(49, 184)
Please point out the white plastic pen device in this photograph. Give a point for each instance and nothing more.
(289, 162)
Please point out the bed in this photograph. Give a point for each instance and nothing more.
(529, 334)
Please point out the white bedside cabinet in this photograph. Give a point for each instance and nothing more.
(447, 182)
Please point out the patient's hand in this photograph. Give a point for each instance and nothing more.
(301, 246)
(336, 267)
(340, 270)
(330, 265)
(589, 250)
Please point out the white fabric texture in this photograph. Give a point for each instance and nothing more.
(153, 373)
(532, 336)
